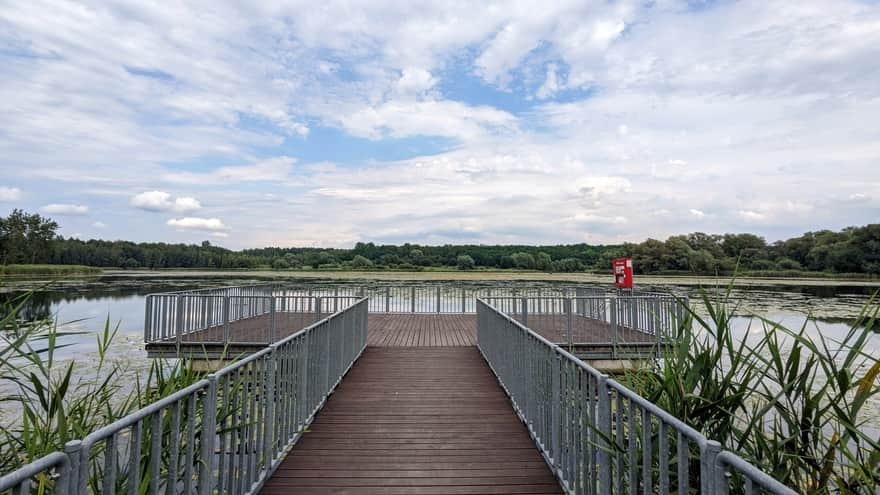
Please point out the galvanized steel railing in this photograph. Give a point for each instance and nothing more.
(597, 436)
(226, 433)
(185, 317)
(622, 321)
(438, 298)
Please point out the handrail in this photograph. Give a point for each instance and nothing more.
(179, 318)
(630, 324)
(173, 318)
(21, 480)
(596, 435)
(226, 433)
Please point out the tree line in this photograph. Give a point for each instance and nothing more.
(31, 238)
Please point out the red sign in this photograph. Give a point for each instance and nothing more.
(623, 272)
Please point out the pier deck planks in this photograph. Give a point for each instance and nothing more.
(415, 420)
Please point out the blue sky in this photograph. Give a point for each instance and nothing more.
(291, 123)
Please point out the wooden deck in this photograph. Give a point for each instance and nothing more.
(417, 420)
(590, 337)
(402, 330)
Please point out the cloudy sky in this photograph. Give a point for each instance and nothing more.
(327, 123)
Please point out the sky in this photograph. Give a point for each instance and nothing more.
(328, 123)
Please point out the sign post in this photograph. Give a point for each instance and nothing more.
(623, 273)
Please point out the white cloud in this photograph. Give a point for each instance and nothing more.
(196, 223)
(697, 213)
(276, 169)
(404, 118)
(414, 80)
(65, 209)
(737, 108)
(751, 216)
(99, 225)
(551, 84)
(163, 201)
(9, 194)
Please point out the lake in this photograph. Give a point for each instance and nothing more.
(86, 305)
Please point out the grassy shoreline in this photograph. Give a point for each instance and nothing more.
(491, 275)
(30, 271)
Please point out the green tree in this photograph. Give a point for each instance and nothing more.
(26, 238)
(543, 261)
(417, 257)
(465, 262)
(280, 264)
(130, 263)
(523, 260)
(361, 262)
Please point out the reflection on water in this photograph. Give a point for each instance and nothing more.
(85, 306)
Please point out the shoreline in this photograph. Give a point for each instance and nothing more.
(476, 276)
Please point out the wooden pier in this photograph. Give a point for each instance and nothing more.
(365, 402)
(589, 338)
(416, 420)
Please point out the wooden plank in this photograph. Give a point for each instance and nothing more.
(409, 330)
(416, 420)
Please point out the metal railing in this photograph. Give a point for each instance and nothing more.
(437, 298)
(260, 314)
(206, 318)
(597, 436)
(621, 323)
(226, 433)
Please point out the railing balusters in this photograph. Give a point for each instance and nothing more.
(592, 447)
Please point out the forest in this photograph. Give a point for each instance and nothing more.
(27, 238)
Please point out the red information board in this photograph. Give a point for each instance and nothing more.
(623, 272)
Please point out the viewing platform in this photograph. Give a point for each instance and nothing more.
(400, 391)
(214, 323)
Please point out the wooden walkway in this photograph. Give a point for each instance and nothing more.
(393, 329)
(417, 420)
(421, 330)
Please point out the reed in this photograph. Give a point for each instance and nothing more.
(790, 401)
(58, 400)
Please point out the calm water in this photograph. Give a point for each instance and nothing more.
(86, 306)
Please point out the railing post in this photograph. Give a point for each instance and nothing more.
(272, 320)
(270, 400)
(707, 467)
(226, 319)
(179, 321)
(70, 481)
(525, 311)
(438, 300)
(148, 317)
(387, 299)
(412, 299)
(603, 458)
(463, 301)
(555, 398)
(566, 303)
(613, 301)
(206, 450)
(317, 309)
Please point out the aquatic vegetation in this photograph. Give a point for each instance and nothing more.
(58, 400)
(791, 401)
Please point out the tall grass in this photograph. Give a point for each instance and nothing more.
(20, 271)
(58, 400)
(792, 403)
